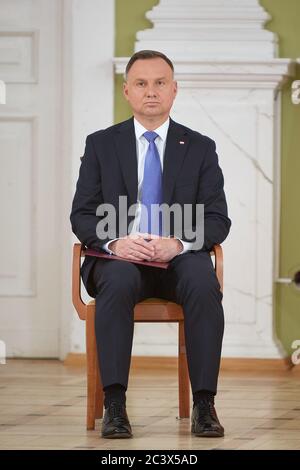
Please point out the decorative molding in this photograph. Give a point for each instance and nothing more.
(209, 29)
(296, 89)
(296, 92)
(270, 74)
(21, 281)
(19, 55)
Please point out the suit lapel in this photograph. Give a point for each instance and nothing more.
(176, 147)
(126, 152)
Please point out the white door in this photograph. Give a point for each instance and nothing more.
(29, 177)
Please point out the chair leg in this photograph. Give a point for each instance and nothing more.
(183, 375)
(91, 358)
(99, 391)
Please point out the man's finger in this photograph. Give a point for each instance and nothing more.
(145, 245)
(140, 252)
(138, 257)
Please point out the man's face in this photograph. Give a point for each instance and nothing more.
(150, 88)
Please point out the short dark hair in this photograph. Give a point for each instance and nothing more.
(147, 54)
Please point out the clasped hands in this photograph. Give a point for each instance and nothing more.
(145, 246)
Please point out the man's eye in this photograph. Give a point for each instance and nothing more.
(140, 83)
(161, 82)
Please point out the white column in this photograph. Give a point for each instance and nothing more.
(229, 89)
(87, 105)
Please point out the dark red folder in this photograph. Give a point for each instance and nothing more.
(98, 254)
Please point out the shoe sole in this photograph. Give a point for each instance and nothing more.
(207, 434)
(117, 436)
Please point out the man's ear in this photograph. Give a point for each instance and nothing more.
(125, 90)
(175, 88)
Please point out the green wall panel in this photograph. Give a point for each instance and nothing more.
(130, 18)
(286, 23)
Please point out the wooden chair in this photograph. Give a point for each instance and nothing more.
(150, 310)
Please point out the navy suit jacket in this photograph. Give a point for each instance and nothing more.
(191, 175)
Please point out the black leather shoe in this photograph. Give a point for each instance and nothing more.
(115, 424)
(205, 422)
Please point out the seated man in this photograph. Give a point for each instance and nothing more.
(152, 160)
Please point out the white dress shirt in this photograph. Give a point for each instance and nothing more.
(142, 145)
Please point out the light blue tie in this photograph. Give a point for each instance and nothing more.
(151, 188)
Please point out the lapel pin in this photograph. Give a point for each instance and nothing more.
(181, 142)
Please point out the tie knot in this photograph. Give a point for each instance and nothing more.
(150, 136)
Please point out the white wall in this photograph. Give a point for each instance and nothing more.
(87, 105)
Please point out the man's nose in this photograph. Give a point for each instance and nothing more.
(150, 91)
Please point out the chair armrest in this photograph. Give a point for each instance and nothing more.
(78, 303)
(217, 250)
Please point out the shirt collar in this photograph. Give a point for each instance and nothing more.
(161, 130)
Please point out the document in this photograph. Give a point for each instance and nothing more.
(99, 254)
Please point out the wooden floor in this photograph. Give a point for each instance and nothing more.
(42, 406)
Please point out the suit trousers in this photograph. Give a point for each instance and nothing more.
(190, 281)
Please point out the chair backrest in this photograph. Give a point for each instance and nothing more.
(81, 307)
